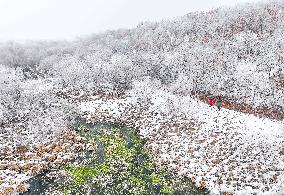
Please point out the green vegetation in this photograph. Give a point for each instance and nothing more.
(119, 164)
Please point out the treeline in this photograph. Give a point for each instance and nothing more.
(235, 52)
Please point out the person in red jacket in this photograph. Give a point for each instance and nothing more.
(211, 101)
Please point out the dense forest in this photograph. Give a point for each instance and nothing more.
(235, 52)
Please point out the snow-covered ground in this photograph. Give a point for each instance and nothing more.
(227, 151)
(21, 164)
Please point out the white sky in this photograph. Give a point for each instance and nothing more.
(68, 19)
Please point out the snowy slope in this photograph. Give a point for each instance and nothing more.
(227, 151)
(245, 153)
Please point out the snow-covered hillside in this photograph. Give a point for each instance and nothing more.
(144, 77)
(226, 151)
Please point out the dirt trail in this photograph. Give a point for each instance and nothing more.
(229, 103)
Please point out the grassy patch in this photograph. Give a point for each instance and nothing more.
(119, 164)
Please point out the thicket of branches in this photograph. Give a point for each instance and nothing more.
(235, 52)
